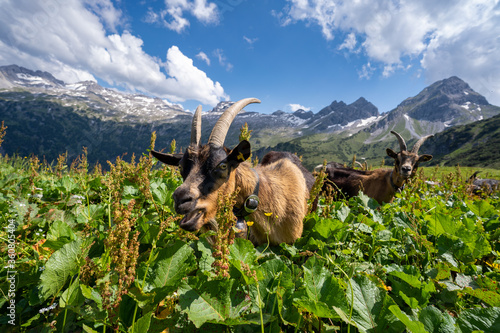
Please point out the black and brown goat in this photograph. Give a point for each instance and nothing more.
(211, 169)
(483, 185)
(379, 184)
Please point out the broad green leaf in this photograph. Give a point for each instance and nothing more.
(436, 321)
(142, 299)
(90, 213)
(343, 212)
(60, 229)
(204, 300)
(319, 309)
(276, 288)
(243, 251)
(411, 325)
(371, 306)
(478, 319)
(492, 298)
(91, 294)
(322, 288)
(67, 185)
(362, 227)
(126, 310)
(142, 325)
(59, 233)
(130, 191)
(367, 202)
(207, 259)
(88, 329)
(482, 208)
(440, 271)
(242, 255)
(325, 228)
(274, 283)
(72, 297)
(441, 223)
(160, 192)
(171, 265)
(61, 265)
(410, 287)
(149, 231)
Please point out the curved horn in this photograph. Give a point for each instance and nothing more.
(221, 127)
(402, 143)
(196, 127)
(417, 145)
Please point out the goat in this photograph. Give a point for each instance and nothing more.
(379, 184)
(483, 185)
(274, 156)
(320, 167)
(278, 187)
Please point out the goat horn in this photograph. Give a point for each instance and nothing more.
(221, 127)
(417, 145)
(402, 143)
(196, 127)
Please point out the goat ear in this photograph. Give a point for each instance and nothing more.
(424, 158)
(169, 159)
(240, 153)
(391, 153)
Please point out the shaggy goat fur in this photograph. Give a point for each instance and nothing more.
(211, 169)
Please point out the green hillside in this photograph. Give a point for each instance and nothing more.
(475, 144)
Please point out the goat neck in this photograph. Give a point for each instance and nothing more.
(396, 180)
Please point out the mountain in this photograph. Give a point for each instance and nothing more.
(474, 144)
(339, 115)
(446, 103)
(442, 106)
(17, 83)
(13, 75)
(46, 117)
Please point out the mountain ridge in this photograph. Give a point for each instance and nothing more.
(337, 131)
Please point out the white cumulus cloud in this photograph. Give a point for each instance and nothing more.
(294, 107)
(447, 37)
(70, 39)
(175, 10)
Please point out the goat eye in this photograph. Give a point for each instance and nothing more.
(220, 171)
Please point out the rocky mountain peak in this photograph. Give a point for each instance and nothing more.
(443, 104)
(302, 114)
(339, 114)
(222, 105)
(25, 77)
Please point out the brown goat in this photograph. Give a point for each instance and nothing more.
(379, 184)
(274, 156)
(211, 169)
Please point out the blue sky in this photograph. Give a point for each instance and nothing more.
(290, 54)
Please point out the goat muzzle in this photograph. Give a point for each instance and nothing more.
(192, 221)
